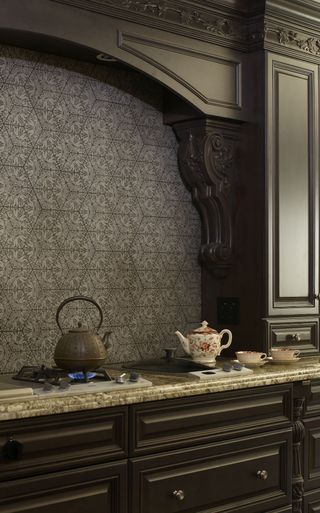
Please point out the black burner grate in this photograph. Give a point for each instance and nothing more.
(54, 375)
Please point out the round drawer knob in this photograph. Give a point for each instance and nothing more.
(262, 474)
(178, 494)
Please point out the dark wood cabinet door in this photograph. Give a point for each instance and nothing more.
(292, 170)
(96, 489)
(250, 475)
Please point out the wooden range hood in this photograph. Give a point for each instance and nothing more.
(224, 63)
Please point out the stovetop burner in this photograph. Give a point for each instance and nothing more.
(54, 375)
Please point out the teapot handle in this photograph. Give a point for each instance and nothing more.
(229, 339)
(79, 298)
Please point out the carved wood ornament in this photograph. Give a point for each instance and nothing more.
(207, 158)
(298, 431)
(193, 17)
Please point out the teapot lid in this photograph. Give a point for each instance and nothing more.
(79, 329)
(204, 328)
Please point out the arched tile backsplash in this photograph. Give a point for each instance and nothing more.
(91, 202)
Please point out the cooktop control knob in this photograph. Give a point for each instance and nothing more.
(134, 377)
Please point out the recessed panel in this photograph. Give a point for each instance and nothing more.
(293, 186)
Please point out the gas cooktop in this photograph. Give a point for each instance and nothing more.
(42, 381)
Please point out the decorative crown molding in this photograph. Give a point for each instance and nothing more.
(208, 159)
(293, 40)
(188, 17)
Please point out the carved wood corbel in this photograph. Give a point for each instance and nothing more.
(208, 159)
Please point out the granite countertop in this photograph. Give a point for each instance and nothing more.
(164, 387)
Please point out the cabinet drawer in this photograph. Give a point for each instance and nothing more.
(182, 422)
(300, 334)
(61, 441)
(312, 405)
(311, 502)
(217, 477)
(98, 489)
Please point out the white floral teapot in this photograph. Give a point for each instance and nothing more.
(204, 344)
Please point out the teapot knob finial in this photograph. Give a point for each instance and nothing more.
(204, 324)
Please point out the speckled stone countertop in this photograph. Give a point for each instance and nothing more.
(164, 387)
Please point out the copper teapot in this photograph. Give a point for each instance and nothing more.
(81, 349)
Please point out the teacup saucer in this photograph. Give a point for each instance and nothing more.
(253, 365)
(294, 361)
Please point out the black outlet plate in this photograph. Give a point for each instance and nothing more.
(228, 310)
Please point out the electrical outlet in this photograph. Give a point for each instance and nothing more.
(228, 310)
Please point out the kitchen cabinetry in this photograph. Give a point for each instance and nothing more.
(292, 168)
(64, 462)
(274, 281)
(178, 455)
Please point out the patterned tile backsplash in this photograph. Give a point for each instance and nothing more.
(91, 203)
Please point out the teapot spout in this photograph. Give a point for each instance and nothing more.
(184, 342)
(105, 339)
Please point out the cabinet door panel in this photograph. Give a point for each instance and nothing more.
(96, 489)
(292, 166)
(224, 477)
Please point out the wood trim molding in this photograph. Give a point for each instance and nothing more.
(209, 23)
(208, 156)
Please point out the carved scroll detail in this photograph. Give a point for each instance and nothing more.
(298, 436)
(292, 39)
(207, 157)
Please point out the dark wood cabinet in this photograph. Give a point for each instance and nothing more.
(274, 281)
(225, 452)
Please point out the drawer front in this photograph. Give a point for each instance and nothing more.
(60, 441)
(311, 502)
(312, 405)
(182, 422)
(218, 477)
(312, 454)
(300, 334)
(98, 489)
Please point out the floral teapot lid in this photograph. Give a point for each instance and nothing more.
(204, 329)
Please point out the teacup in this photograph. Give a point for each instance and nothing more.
(285, 353)
(250, 356)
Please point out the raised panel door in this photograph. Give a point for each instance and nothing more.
(292, 171)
